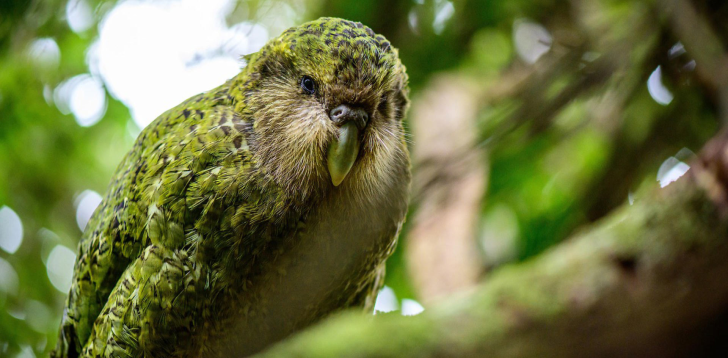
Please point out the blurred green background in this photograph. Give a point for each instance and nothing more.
(529, 119)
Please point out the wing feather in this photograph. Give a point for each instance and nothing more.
(153, 201)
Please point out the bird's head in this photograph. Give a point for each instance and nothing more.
(327, 100)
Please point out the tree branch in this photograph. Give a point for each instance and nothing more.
(649, 280)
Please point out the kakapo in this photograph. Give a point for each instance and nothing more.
(253, 210)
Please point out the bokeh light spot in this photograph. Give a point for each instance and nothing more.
(92, 59)
(657, 90)
(676, 50)
(386, 300)
(48, 94)
(411, 307)
(88, 101)
(531, 39)
(444, 10)
(59, 267)
(11, 230)
(8, 278)
(413, 21)
(44, 53)
(670, 170)
(154, 55)
(79, 15)
(82, 95)
(86, 204)
(16, 313)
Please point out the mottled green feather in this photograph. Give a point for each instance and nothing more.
(222, 195)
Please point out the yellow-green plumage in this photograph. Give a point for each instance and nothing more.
(222, 231)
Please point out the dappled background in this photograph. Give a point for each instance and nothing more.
(529, 119)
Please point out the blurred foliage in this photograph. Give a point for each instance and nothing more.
(567, 138)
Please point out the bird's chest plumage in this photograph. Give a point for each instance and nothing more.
(332, 261)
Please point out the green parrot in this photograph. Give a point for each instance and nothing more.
(253, 210)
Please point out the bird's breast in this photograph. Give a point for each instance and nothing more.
(324, 266)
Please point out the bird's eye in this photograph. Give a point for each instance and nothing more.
(308, 85)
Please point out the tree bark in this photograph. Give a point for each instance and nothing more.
(647, 281)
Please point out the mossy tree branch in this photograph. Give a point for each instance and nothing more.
(649, 280)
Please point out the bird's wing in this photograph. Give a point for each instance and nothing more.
(143, 229)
